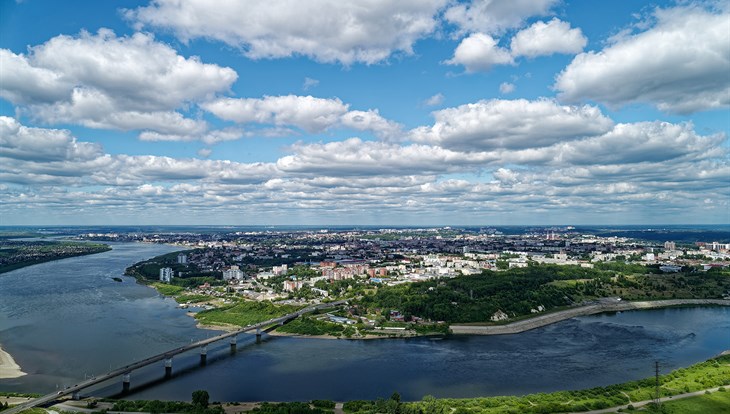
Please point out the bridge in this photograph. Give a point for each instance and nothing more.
(126, 370)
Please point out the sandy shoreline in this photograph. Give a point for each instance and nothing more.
(8, 367)
(551, 318)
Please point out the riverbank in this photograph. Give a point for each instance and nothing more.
(8, 367)
(603, 306)
(600, 307)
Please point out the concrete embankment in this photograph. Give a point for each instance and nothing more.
(603, 306)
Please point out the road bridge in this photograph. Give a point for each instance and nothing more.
(126, 370)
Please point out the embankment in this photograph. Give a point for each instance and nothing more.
(603, 306)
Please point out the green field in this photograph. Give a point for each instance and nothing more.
(243, 313)
(715, 403)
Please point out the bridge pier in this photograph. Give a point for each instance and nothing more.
(258, 335)
(203, 355)
(233, 344)
(126, 379)
(76, 395)
(168, 367)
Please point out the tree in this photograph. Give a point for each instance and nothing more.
(200, 398)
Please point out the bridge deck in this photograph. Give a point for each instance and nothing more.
(162, 356)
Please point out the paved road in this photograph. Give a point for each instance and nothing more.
(165, 355)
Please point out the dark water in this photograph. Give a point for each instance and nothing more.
(67, 319)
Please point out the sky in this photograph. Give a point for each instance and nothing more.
(372, 112)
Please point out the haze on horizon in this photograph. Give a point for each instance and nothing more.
(411, 112)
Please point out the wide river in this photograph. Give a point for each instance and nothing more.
(66, 320)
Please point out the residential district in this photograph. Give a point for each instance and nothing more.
(304, 265)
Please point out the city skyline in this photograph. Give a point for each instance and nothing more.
(393, 113)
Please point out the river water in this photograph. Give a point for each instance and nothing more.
(65, 320)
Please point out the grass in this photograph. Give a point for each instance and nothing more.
(243, 313)
(34, 411)
(715, 403)
(708, 374)
(192, 298)
(310, 326)
(167, 290)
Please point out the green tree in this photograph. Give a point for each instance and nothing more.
(200, 398)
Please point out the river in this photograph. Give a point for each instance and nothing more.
(66, 320)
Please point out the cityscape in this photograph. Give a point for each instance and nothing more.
(364, 207)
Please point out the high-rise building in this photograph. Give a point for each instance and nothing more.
(166, 274)
(182, 258)
(233, 273)
(670, 245)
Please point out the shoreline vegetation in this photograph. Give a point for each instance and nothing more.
(704, 384)
(8, 367)
(19, 254)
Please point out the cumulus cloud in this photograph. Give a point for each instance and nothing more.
(209, 137)
(506, 88)
(357, 157)
(104, 81)
(324, 30)
(478, 53)
(656, 165)
(680, 64)
(542, 39)
(304, 112)
(511, 124)
(40, 144)
(495, 16)
(370, 121)
(435, 100)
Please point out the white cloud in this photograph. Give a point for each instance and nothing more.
(328, 31)
(105, 81)
(435, 100)
(210, 137)
(495, 16)
(654, 166)
(24, 143)
(204, 152)
(511, 124)
(680, 65)
(309, 83)
(506, 88)
(371, 121)
(357, 157)
(542, 39)
(478, 53)
(304, 112)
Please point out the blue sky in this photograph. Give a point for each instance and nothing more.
(370, 112)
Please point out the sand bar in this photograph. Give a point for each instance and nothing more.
(8, 367)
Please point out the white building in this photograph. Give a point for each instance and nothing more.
(233, 273)
(166, 274)
(182, 258)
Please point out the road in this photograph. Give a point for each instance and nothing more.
(162, 356)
